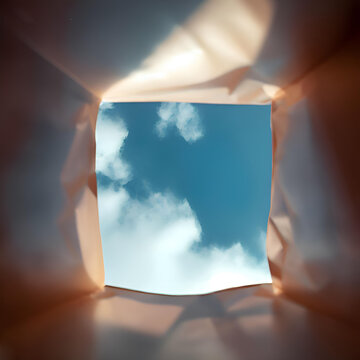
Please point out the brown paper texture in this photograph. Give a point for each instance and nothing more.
(61, 58)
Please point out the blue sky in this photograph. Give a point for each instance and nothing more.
(184, 195)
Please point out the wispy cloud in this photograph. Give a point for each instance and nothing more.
(184, 116)
(104, 105)
(152, 245)
(111, 133)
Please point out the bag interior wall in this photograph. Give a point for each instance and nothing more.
(57, 62)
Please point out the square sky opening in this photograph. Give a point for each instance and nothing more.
(184, 195)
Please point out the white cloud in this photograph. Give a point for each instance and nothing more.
(111, 133)
(184, 116)
(104, 105)
(149, 245)
(167, 114)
